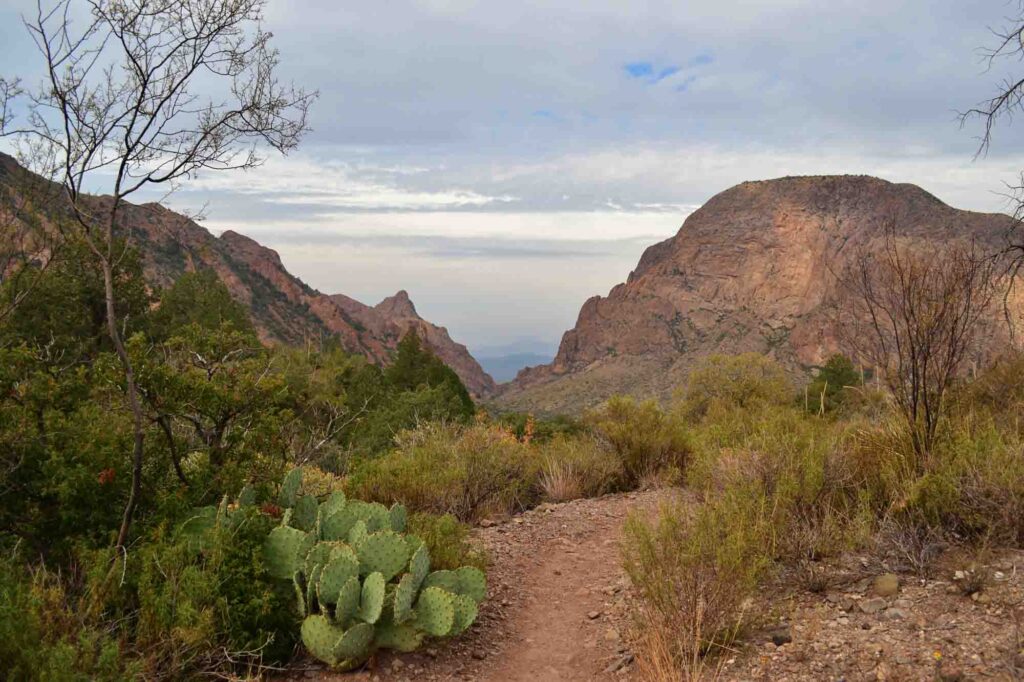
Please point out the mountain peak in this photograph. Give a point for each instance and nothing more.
(398, 306)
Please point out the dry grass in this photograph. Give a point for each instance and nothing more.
(561, 482)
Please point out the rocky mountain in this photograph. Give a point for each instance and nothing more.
(283, 308)
(748, 271)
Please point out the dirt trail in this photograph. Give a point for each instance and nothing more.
(555, 608)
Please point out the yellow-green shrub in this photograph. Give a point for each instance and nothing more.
(646, 439)
(580, 466)
(746, 381)
(467, 471)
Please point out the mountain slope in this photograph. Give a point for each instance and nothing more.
(748, 271)
(283, 308)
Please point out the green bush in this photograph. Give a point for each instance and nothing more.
(467, 471)
(447, 540)
(645, 438)
(748, 381)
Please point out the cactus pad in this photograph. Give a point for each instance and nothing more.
(304, 513)
(465, 613)
(358, 534)
(446, 580)
(320, 638)
(472, 583)
(300, 596)
(419, 566)
(384, 551)
(348, 601)
(398, 637)
(399, 517)
(372, 601)
(319, 555)
(335, 574)
(281, 551)
(404, 595)
(336, 525)
(435, 611)
(354, 646)
(290, 488)
(334, 502)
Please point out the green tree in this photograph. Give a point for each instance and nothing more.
(415, 367)
(198, 298)
(825, 392)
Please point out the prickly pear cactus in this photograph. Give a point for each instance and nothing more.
(361, 584)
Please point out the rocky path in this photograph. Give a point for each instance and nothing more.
(555, 609)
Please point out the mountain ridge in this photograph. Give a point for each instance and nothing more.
(284, 309)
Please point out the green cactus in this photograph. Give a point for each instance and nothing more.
(320, 637)
(403, 598)
(358, 534)
(419, 566)
(398, 637)
(334, 575)
(304, 513)
(290, 488)
(465, 611)
(385, 552)
(281, 551)
(399, 517)
(348, 601)
(354, 646)
(435, 611)
(334, 501)
(359, 581)
(372, 601)
(446, 580)
(472, 583)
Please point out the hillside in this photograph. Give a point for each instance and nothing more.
(283, 308)
(748, 271)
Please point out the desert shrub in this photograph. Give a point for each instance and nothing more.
(694, 569)
(828, 391)
(447, 540)
(43, 636)
(466, 471)
(746, 381)
(577, 467)
(645, 438)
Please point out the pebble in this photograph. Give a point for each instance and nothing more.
(873, 605)
(594, 614)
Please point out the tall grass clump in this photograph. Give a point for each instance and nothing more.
(578, 467)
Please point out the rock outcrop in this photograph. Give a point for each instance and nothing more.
(748, 271)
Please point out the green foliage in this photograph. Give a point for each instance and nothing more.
(580, 466)
(646, 439)
(540, 430)
(446, 540)
(466, 471)
(415, 367)
(747, 381)
(827, 391)
(198, 298)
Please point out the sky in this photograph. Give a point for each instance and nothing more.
(503, 162)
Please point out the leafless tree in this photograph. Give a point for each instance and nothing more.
(144, 94)
(914, 315)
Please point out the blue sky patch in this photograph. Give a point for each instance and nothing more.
(647, 72)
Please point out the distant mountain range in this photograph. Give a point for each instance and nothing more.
(283, 308)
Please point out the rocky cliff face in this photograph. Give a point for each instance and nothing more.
(748, 271)
(283, 308)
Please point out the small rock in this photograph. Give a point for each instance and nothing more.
(594, 614)
(611, 635)
(873, 605)
(951, 674)
(487, 523)
(981, 598)
(397, 664)
(903, 604)
(781, 635)
(886, 585)
(479, 654)
(895, 614)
